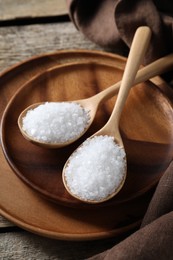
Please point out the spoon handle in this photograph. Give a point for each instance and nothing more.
(136, 54)
(155, 68)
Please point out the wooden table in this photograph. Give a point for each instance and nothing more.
(28, 29)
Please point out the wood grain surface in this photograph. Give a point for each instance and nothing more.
(10, 9)
(23, 42)
(27, 246)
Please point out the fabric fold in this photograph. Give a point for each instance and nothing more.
(142, 13)
(112, 23)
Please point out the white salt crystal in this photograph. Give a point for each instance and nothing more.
(96, 169)
(56, 122)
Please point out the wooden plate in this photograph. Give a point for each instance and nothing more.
(24, 207)
(146, 126)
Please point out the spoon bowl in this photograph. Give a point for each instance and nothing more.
(111, 129)
(45, 144)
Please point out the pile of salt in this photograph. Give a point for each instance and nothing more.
(55, 122)
(96, 169)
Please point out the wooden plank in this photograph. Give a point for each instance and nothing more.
(17, 9)
(23, 245)
(20, 43)
(4, 223)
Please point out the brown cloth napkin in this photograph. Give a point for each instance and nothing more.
(112, 24)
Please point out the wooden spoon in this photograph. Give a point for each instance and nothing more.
(136, 54)
(91, 104)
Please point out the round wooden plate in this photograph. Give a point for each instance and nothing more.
(24, 207)
(146, 128)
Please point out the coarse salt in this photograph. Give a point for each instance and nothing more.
(96, 169)
(56, 122)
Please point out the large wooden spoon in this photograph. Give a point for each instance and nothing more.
(72, 170)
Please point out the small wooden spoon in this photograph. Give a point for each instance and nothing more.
(136, 54)
(91, 104)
